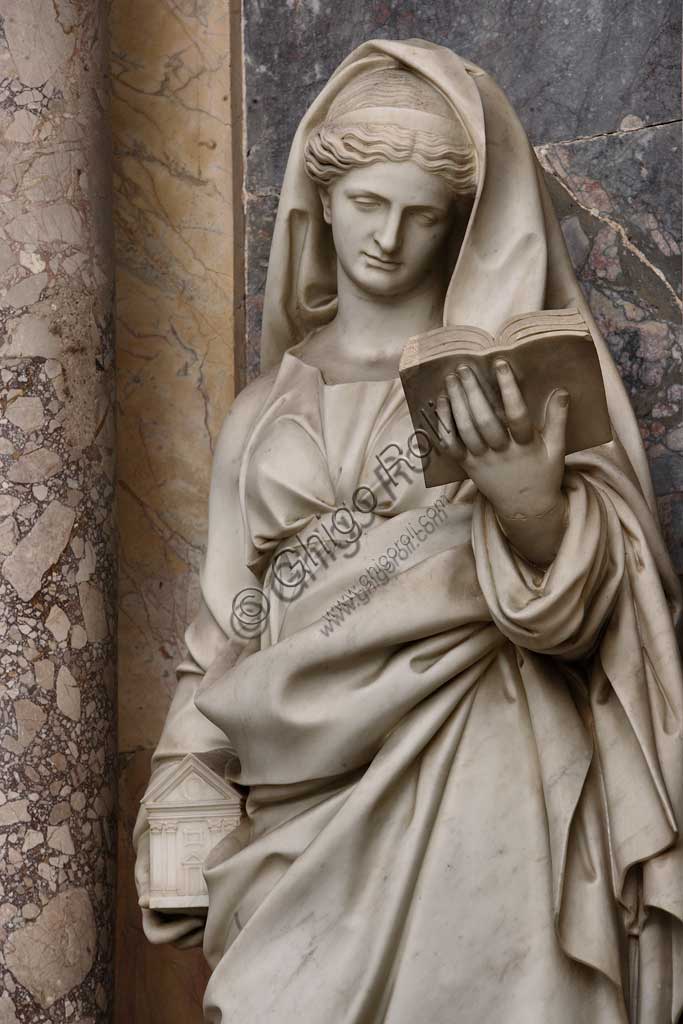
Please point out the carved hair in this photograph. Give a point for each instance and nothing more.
(391, 114)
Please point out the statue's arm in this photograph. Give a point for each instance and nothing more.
(185, 729)
(548, 541)
(210, 638)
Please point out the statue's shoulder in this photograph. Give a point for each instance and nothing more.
(252, 399)
(238, 424)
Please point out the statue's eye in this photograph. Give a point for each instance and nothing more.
(428, 219)
(366, 202)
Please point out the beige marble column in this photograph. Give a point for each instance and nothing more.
(57, 580)
(173, 217)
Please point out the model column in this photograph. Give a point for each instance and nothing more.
(57, 577)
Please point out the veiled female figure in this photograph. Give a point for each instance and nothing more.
(465, 780)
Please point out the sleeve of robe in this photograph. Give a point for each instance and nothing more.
(602, 618)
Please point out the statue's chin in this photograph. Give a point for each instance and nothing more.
(379, 280)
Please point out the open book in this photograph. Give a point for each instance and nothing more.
(547, 350)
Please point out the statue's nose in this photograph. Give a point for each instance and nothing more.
(388, 235)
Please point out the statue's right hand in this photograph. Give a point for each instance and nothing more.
(182, 930)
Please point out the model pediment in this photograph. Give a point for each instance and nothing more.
(191, 783)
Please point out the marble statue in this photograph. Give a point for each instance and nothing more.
(455, 713)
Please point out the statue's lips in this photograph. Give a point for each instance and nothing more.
(382, 264)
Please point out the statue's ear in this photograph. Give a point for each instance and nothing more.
(327, 206)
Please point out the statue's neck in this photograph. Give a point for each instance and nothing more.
(371, 331)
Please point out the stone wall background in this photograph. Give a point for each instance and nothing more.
(174, 321)
(596, 84)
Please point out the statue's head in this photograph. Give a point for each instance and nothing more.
(395, 171)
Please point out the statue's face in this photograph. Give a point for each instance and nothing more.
(389, 223)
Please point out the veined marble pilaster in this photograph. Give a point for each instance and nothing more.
(57, 579)
(173, 237)
(174, 271)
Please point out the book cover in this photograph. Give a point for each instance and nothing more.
(547, 350)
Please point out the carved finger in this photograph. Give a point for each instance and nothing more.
(463, 418)
(487, 424)
(555, 424)
(516, 413)
(142, 871)
(447, 429)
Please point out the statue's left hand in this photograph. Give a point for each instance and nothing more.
(517, 467)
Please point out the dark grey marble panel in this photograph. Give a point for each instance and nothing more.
(259, 222)
(570, 72)
(620, 208)
(597, 76)
(570, 68)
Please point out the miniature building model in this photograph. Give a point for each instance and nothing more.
(190, 810)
